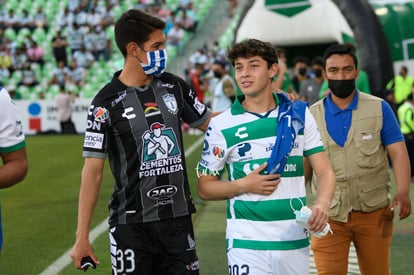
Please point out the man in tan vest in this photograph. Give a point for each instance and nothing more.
(359, 131)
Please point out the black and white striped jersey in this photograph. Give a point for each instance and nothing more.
(139, 129)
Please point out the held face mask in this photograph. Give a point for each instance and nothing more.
(157, 62)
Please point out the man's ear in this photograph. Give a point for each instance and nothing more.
(132, 48)
(273, 70)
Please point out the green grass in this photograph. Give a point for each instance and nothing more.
(39, 215)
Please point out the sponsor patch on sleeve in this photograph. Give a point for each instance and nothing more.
(93, 140)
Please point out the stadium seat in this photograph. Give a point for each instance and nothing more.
(52, 91)
(25, 91)
(10, 34)
(39, 35)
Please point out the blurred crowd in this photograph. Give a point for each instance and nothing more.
(42, 53)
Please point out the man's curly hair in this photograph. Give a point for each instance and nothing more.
(253, 47)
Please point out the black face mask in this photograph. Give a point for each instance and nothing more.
(302, 71)
(317, 72)
(342, 88)
(217, 74)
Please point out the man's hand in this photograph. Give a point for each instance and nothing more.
(404, 204)
(80, 250)
(257, 183)
(319, 217)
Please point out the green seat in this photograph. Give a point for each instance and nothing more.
(10, 34)
(26, 92)
(39, 35)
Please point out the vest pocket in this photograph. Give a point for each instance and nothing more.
(369, 149)
(374, 197)
(336, 203)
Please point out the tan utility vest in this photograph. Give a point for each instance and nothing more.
(361, 166)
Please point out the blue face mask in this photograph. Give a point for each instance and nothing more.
(157, 62)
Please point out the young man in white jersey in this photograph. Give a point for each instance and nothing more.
(266, 182)
(12, 146)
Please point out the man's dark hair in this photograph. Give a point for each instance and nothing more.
(341, 49)
(317, 61)
(253, 47)
(300, 59)
(135, 26)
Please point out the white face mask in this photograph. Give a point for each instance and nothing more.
(157, 62)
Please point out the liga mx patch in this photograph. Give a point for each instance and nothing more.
(93, 140)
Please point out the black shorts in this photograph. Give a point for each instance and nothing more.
(154, 248)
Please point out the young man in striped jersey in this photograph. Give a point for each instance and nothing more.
(259, 144)
(135, 121)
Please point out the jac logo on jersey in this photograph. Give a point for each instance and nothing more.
(162, 192)
(100, 114)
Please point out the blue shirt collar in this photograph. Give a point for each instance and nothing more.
(334, 110)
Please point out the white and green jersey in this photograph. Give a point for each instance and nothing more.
(11, 130)
(240, 141)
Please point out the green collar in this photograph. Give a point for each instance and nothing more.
(237, 107)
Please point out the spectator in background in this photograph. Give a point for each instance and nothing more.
(281, 80)
(64, 19)
(59, 75)
(76, 75)
(175, 37)
(5, 63)
(73, 4)
(75, 38)
(64, 112)
(11, 20)
(98, 43)
(27, 21)
(223, 87)
(84, 58)
(81, 17)
(300, 69)
(197, 82)
(406, 119)
(40, 19)
(309, 91)
(401, 86)
(29, 77)
(36, 54)
(93, 18)
(185, 22)
(108, 16)
(19, 58)
(59, 45)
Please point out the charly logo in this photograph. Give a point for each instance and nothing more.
(128, 113)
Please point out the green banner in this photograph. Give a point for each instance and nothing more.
(287, 7)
